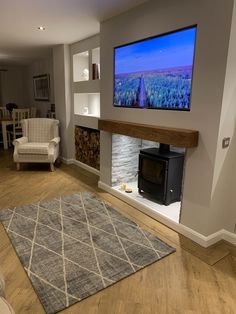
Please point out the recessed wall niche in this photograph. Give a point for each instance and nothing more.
(81, 66)
(87, 104)
(87, 146)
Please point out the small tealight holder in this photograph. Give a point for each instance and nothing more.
(85, 110)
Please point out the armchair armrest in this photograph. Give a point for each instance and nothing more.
(54, 141)
(53, 150)
(20, 140)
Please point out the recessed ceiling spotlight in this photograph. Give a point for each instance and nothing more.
(41, 28)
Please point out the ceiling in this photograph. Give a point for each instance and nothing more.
(66, 21)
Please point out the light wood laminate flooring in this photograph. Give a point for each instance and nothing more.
(192, 280)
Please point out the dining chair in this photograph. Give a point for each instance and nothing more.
(51, 115)
(4, 113)
(15, 130)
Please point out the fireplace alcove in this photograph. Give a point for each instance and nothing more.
(125, 171)
(127, 141)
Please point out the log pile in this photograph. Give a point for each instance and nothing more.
(87, 146)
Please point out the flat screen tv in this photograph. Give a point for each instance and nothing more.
(155, 73)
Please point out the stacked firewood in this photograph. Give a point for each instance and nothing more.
(87, 146)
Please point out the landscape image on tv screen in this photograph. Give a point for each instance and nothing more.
(155, 73)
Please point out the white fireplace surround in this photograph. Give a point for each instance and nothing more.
(204, 241)
(197, 237)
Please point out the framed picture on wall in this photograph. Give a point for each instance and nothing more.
(41, 85)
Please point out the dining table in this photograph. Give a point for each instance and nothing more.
(4, 122)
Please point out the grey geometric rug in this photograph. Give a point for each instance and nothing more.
(73, 246)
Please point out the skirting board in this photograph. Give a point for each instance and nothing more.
(80, 164)
(204, 241)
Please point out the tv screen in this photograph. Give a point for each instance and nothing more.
(155, 73)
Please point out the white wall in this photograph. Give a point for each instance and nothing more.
(12, 82)
(214, 20)
(64, 109)
(223, 207)
(43, 66)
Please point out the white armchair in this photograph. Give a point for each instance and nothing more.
(40, 142)
(5, 307)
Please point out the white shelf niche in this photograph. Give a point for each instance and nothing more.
(87, 104)
(81, 66)
(96, 63)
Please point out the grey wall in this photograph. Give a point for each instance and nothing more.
(213, 18)
(43, 66)
(12, 85)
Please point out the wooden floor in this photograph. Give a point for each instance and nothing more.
(192, 280)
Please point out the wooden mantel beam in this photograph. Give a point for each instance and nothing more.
(174, 136)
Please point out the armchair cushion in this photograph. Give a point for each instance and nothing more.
(34, 148)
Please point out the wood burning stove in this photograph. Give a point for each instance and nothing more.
(160, 173)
